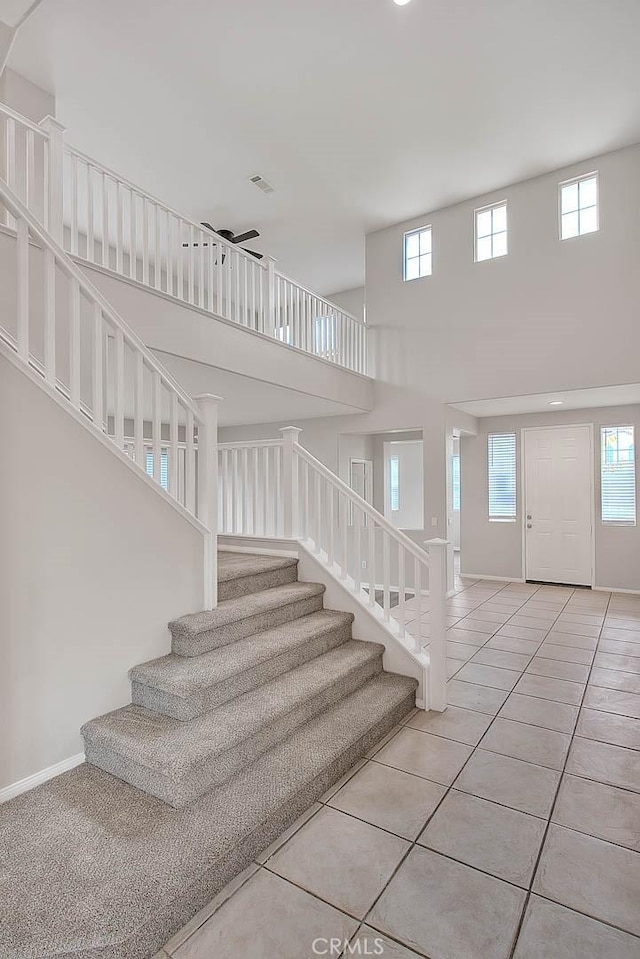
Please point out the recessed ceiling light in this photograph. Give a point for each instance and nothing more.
(556, 402)
(400, 3)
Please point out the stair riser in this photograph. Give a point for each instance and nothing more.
(180, 708)
(234, 588)
(148, 939)
(193, 644)
(207, 775)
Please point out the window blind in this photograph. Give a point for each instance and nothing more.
(618, 475)
(502, 475)
(455, 480)
(394, 483)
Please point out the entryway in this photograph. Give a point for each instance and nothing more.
(558, 498)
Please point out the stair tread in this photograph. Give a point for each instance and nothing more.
(173, 746)
(83, 826)
(239, 565)
(189, 675)
(244, 607)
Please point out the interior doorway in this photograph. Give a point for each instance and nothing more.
(559, 504)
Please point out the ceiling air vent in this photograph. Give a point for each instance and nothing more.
(261, 183)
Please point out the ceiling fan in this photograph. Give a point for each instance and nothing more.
(231, 237)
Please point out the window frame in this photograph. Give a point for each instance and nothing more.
(510, 518)
(417, 232)
(619, 522)
(577, 179)
(485, 209)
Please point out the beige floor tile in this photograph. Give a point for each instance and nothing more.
(422, 754)
(453, 666)
(533, 622)
(343, 779)
(511, 782)
(545, 747)
(493, 838)
(572, 641)
(623, 635)
(370, 942)
(609, 728)
(589, 619)
(461, 651)
(613, 701)
(501, 658)
(570, 628)
(581, 803)
(615, 679)
(591, 876)
(462, 725)
(472, 625)
(491, 616)
(540, 712)
(619, 646)
(550, 931)
(447, 910)
(605, 763)
(556, 669)
(268, 917)
(488, 676)
(627, 664)
(341, 859)
(558, 690)
(565, 654)
(389, 798)
(467, 636)
(522, 632)
(482, 699)
(525, 647)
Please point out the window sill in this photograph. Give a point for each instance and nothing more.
(503, 519)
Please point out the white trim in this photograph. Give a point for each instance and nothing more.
(616, 589)
(497, 579)
(592, 487)
(36, 779)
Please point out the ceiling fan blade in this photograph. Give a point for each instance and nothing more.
(208, 226)
(258, 256)
(243, 237)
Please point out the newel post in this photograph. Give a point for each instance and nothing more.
(290, 491)
(270, 300)
(208, 492)
(54, 174)
(438, 550)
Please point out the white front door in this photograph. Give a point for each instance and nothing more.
(558, 504)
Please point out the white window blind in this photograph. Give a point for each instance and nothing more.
(502, 475)
(455, 479)
(618, 475)
(394, 483)
(164, 466)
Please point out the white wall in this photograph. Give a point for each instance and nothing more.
(93, 564)
(495, 549)
(536, 320)
(26, 97)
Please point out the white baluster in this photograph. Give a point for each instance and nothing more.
(386, 576)
(119, 389)
(145, 241)
(190, 465)
(180, 277)
(90, 252)
(157, 259)
(105, 221)
(208, 492)
(74, 205)
(119, 229)
(371, 561)
(401, 587)
(54, 176)
(290, 490)
(50, 317)
(418, 625)
(343, 513)
(22, 230)
(191, 263)
(74, 345)
(98, 361)
(133, 248)
(138, 411)
(173, 436)
(157, 426)
(358, 519)
(30, 185)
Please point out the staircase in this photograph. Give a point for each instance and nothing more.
(241, 679)
(263, 704)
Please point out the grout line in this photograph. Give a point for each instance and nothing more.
(552, 810)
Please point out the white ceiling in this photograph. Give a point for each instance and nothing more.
(243, 395)
(539, 402)
(360, 112)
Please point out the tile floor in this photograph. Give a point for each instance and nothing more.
(507, 827)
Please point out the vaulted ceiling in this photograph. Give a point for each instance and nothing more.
(361, 113)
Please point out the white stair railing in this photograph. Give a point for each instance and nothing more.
(25, 162)
(120, 226)
(69, 339)
(277, 489)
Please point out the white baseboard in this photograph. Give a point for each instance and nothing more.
(36, 779)
(495, 579)
(616, 589)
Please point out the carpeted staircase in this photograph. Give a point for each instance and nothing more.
(263, 703)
